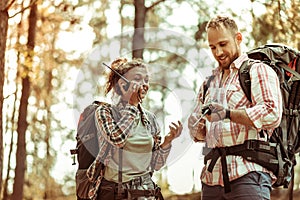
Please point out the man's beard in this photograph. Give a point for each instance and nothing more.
(232, 59)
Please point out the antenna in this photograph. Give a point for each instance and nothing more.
(125, 79)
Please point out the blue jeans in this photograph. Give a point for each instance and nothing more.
(254, 186)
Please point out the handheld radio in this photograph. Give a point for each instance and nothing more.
(122, 77)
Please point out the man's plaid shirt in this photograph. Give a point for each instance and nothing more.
(264, 112)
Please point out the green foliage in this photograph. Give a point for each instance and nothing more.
(278, 24)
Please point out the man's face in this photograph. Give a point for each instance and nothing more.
(225, 45)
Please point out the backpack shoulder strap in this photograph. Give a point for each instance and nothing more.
(244, 77)
(207, 85)
(245, 81)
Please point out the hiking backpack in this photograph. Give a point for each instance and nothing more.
(285, 62)
(87, 148)
(278, 153)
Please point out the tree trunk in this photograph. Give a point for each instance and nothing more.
(11, 147)
(138, 42)
(3, 36)
(22, 122)
(13, 122)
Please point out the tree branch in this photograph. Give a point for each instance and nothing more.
(10, 4)
(22, 10)
(154, 4)
(280, 16)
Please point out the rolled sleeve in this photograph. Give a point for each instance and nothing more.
(159, 157)
(115, 128)
(266, 97)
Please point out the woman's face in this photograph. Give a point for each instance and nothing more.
(140, 76)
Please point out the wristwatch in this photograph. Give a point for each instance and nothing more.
(227, 114)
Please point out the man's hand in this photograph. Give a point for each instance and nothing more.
(218, 112)
(197, 128)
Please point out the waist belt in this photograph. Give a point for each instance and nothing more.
(260, 152)
(135, 193)
(129, 192)
(138, 181)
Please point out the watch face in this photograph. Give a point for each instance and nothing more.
(227, 116)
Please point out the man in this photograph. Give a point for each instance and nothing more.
(233, 118)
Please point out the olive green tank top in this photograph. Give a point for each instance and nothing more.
(137, 154)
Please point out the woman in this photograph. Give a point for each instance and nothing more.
(134, 135)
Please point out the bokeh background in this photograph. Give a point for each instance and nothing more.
(51, 55)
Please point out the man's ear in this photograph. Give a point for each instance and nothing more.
(239, 37)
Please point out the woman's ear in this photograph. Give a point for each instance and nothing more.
(121, 85)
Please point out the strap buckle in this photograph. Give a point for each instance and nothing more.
(137, 181)
(73, 151)
(251, 144)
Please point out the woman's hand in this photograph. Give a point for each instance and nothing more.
(131, 95)
(175, 131)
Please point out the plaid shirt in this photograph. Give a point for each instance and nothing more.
(114, 124)
(117, 129)
(264, 111)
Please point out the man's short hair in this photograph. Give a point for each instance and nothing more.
(223, 21)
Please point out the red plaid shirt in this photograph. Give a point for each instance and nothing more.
(264, 111)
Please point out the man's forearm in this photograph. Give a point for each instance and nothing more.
(240, 116)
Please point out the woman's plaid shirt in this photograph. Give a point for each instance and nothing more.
(116, 129)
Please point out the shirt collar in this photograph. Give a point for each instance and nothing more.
(237, 63)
